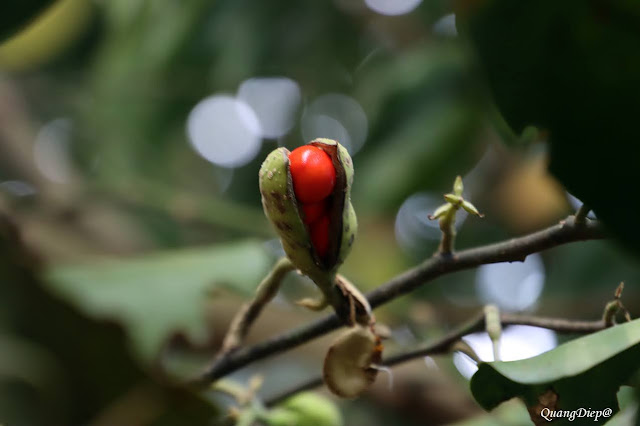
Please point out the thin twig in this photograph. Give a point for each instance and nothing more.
(445, 343)
(249, 312)
(516, 249)
(493, 326)
(581, 214)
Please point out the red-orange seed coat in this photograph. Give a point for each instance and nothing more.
(319, 231)
(312, 173)
(314, 211)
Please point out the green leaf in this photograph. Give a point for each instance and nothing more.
(18, 14)
(628, 408)
(570, 68)
(158, 294)
(511, 413)
(60, 367)
(583, 373)
(305, 409)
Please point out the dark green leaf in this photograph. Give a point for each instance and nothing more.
(17, 14)
(583, 373)
(572, 69)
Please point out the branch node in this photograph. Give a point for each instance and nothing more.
(581, 214)
(446, 213)
(463, 347)
(615, 306)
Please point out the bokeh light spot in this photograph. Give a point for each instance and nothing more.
(322, 126)
(576, 204)
(517, 342)
(275, 101)
(336, 116)
(413, 229)
(51, 150)
(224, 130)
(18, 188)
(446, 26)
(512, 286)
(392, 7)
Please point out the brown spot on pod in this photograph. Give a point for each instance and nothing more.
(283, 226)
(279, 199)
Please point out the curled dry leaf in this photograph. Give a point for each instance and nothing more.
(350, 364)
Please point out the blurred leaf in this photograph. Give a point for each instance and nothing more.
(158, 294)
(583, 373)
(509, 413)
(305, 409)
(572, 69)
(60, 367)
(15, 15)
(427, 116)
(628, 408)
(47, 36)
(426, 145)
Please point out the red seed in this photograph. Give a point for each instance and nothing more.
(314, 211)
(319, 231)
(312, 173)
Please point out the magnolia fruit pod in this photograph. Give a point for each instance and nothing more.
(285, 213)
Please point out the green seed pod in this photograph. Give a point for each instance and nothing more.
(284, 211)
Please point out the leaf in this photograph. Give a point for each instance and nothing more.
(158, 294)
(427, 121)
(47, 35)
(583, 373)
(511, 413)
(423, 145)
(59, 367)
(571, 68)
(628, 408)
(18, 14)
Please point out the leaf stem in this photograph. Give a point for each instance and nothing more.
(581, 214)
(249, 312)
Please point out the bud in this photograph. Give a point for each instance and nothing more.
(471, 208)
(441, 211)
(458, 187)
(492, 321)
(453, 199)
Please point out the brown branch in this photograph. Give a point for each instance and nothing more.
(443, 345)
(516, 249)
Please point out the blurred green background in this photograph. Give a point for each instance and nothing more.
(131, 133)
